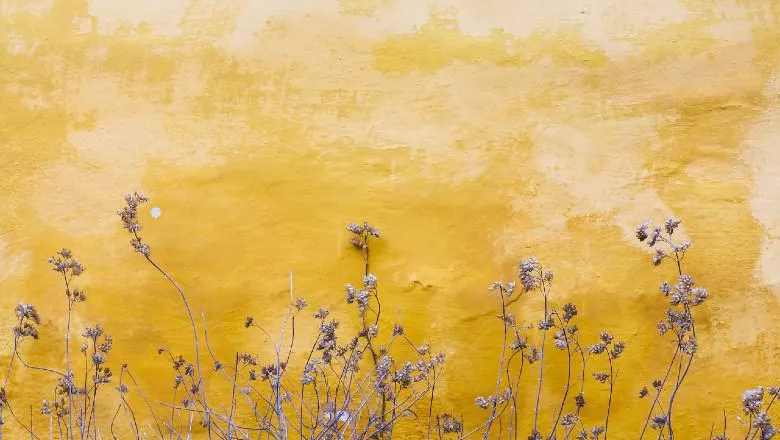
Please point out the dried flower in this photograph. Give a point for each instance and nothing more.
(354, 228)
(369, 281)
(641, 231)
(617, 349)
(560, 340)
(520, 343)
(351, 293)
(450, 424)
(659, 421)
(526, 271)
(643, 393)
(689, 346)
(752, 399)
(654, 236)
(601, 377)
(569, 311)
(98, 358)
(598, 348)
(92, 332)
(671, 224)
(658, 257)
(569, 419)
(27, 311)
(533, 355)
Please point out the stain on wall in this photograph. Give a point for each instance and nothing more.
(472, 133)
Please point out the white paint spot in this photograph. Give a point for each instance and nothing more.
(156, 212)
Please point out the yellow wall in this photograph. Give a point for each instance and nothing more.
(472, 133)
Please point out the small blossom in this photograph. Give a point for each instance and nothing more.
(654, 236)
(689, 346)
(546, 324)
(45, 408)
(351, 293)
(354, 228)
(519, 343)
(450, 424)
(751, 400)
(659, 421)
(617, 349)
(526, 271)
(370, 230)
(569, 311)
(643, 393)
(92, 333)
(560, 340)
(579, 400)
(357, 243)
(98, 358)
(27, 311)
(601, 377)
(598, 348)
(307, 379)
(300, 303)
(369, 281)
(682, 247)
(533, 355)
(569, 420)
(671, 224)
(641, 231)
(658, 257)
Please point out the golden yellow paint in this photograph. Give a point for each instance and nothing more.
(472, 133)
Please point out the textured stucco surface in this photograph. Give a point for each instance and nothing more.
(472, 133)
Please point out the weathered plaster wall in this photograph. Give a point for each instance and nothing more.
(473, 133)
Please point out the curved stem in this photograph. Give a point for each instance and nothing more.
(500, 363)
(658, 392)
(201, 387)
(568, 380)
(611, 387)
